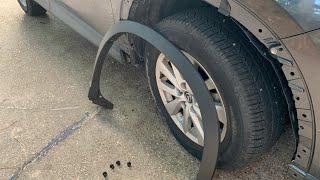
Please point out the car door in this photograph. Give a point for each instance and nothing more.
(96, 13)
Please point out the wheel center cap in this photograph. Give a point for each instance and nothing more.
(188, 97)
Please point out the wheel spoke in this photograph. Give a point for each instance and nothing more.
(197, 110)
(210, 84)
(192, 60)
(197, 125)
(174, 106)
(189, 89)
(221, 114)
(186, 125)
(177, 74)
(168, 88)
(219, 109)
(167, 71)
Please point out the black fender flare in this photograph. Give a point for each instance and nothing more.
(209, 114)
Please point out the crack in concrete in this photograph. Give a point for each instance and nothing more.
(21, 154)
(63, 135)
(8, 167)
(8, 126)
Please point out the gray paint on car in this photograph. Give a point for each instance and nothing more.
(97, 14)
(305, 12)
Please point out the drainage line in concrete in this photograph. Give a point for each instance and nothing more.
(55, 141)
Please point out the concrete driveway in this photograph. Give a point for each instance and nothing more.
(50, 130)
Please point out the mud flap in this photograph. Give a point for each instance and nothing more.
(208, 112)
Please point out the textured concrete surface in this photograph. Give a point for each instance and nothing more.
(45, 70)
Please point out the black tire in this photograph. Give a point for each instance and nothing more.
(32, 8)
(251, 92)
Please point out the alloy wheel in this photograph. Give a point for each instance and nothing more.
(180, 102)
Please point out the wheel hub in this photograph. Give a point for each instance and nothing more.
(188, 97)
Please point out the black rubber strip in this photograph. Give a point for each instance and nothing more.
(208, 111)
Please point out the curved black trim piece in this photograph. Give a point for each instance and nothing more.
(209, 114)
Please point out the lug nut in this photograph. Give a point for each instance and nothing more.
(274, 51)
(129, 164)
(112, 166)
(118, 163)
(105, 174)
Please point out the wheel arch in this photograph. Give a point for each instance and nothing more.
(265, 24)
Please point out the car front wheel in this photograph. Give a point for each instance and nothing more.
(246, 93)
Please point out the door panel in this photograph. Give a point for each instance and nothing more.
(96, 13)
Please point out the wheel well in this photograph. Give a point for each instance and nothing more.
(150, 12)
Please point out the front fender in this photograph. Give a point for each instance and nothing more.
(255, 14)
